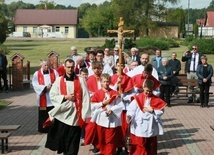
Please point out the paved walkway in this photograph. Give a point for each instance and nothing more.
(187, 127)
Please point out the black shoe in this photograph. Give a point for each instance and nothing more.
(189, 101)
(201, 106)
(119, 151)
(95, 150)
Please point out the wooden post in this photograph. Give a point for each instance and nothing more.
(120, 33)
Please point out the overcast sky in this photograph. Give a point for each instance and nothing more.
(183, 3)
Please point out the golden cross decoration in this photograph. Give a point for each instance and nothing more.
(120, 33)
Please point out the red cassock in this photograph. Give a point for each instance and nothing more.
(139, 80)
(92, 83)
(61, 70)
(126, 85)
(140, 145)
(106, 136)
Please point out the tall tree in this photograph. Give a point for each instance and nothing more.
(3, 29)
(143, 14)
(98, 20)
(211, 6)
(177, 15)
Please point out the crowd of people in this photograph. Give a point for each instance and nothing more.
(96, 100)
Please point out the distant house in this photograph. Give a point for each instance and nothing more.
(46, 23)
(164, 29)
(206, 25)
(189, 29)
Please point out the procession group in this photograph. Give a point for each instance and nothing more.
(96, 99)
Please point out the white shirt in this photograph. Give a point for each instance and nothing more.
(106, 69)
(196, 57)
(144, 124)
(66, 111)
(139, 69)
(39, 88)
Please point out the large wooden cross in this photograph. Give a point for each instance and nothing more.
(120, 33)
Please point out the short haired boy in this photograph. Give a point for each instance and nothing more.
(146, 74)
(107, 108)
(144, 113)
(93, 81)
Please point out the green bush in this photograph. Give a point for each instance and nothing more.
(160, 43)
(128, 44)
(109, 43)
(4, 49)
(205, 45)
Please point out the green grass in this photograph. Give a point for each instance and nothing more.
(4, 103)
(35, 50)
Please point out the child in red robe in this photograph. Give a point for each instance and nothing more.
(144, 113)
(127, 91)
(107, 107)
(146, 74)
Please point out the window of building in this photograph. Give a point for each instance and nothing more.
(34, 30)
(57, 29)
(66, 29)
(24, 28)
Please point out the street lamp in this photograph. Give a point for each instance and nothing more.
(188, 18)
(201, 29)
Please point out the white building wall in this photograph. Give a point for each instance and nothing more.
(206, 31)
(72, 31)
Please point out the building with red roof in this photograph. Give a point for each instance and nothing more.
(47, 23)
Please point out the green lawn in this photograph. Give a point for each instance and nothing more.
(34, 50)
(4, 103)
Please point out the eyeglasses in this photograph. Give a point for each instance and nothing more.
(116, 50)
(194, 48)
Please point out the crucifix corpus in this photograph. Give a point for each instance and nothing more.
(120, 33)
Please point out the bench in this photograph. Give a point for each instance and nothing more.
(4, 138)
(183, 83)
(4, 135)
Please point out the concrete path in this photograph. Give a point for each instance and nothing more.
(187, 127)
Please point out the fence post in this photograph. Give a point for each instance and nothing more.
(28, 70)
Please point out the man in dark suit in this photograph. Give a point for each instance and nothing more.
(175, 65)
(3, 70)
(193, 60)
(156, 61)
(134, 55)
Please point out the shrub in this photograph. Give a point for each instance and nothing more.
(205, 45)
(4, 49)
(128, 44)
(109, 43)
(160, 43)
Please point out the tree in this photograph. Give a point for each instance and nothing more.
(3, 29)
(211, 6)
(98, 20)
(177, 15)
(141, 14)
(45, 4)
(83, 8)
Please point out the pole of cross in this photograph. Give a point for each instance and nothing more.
(120, 33)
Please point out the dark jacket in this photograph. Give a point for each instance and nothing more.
(175, 65)
(187, 59)
(199, 73)
(4, 62)
(165, 71)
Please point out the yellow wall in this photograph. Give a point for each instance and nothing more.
(164, 31)
(72, 30)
